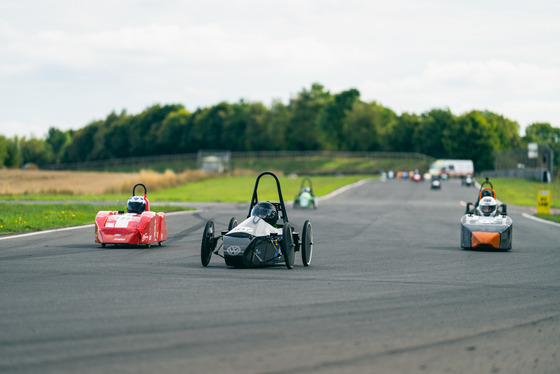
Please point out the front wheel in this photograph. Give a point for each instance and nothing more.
(232, 224)
(306, 243)
(207, 244)
(288, 250)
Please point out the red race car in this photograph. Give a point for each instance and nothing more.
(138, 226)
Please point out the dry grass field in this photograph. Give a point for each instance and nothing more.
(32, 182)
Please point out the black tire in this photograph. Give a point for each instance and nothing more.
(306, 243)
(103, 245)
(288, 247)
(207, 244)
(232, 224)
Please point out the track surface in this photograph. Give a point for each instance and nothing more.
(389, 291)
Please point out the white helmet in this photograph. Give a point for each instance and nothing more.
(487, 206)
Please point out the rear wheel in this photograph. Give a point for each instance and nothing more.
(207, 244)
(232, 224)
(288, 250)
(306, 243)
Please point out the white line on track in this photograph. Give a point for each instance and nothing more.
(18, 236)
(45, 232)
(540, 220)
(343, 189)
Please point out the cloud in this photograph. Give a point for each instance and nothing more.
(517, 90)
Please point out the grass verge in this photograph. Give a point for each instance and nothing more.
(16, 218)
(550, 217)
(524, 192)
(226, 189)
(240, 189)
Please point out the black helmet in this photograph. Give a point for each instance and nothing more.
(267, 211)
(136, 204)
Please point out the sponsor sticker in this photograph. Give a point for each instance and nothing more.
(233, 250)
(243, 229)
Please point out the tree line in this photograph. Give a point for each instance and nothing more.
(314, 119)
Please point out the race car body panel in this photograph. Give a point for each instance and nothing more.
(306, 198)
(144, 227)
(252, 243)
(129, 228)
(486, 232)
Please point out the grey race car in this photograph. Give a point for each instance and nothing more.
(486, 225)
(259, 240)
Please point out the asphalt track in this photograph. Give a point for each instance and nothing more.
(388, 291)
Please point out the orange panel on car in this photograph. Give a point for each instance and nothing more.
(485, 238)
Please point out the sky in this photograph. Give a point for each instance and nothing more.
(66, 63)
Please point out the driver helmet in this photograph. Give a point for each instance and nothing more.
(136, 204)
(487, 207)
(267, 211)
(307, 189)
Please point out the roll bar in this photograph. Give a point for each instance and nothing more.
(255, 199)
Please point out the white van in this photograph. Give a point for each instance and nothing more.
(452, 168)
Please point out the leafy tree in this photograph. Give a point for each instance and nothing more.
(362, 126)
(144, 127)
(37, 151)
(331, 118)
(58, 140)
(401, 138)
(279, 122)
(429, 135)
(507, 131)
(259, 136)
(172, 131)
(235, 136)
(472, 138)
(13, 158)
(3, 150)
(116, 135)
(302, 132)
(82, 143)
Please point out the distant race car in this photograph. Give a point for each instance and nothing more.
(306, 198)
(138, 226)
(435, 184)
(467, 181)
(260, 240)
(485, 224)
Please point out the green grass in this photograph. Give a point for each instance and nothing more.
(32, 217)
(518, 191)
(550, 217)
(232, 189)
(240, 189)
(524, 192)
(64, 197)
